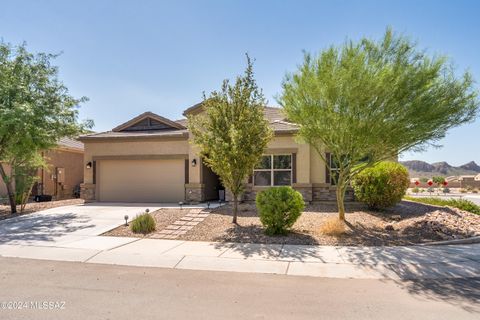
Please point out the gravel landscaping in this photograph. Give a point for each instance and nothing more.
(163, 218)
(36, 206)
(406, 223)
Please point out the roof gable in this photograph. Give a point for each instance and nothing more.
(148, 121)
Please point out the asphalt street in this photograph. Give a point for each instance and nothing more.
(70, 290)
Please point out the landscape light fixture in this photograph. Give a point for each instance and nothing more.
(89, 165)
(126, 220)
(181, 205)
(208, 205)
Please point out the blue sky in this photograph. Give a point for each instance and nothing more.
(132, 56)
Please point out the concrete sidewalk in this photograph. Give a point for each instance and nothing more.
(72, 233)
(415, 262)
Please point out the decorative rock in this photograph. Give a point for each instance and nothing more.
(389, 227)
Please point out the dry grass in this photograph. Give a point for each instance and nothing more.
(333, 227)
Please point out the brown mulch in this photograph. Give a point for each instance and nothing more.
(408, 223)
(163, 218)
(36, 206)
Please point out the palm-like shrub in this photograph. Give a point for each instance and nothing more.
(279, 208)
(382, 185)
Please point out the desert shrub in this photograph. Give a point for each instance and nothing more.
(474, 191)
(446, 190)
(461, 204)
(463, 191)
(279, 208)
(430, 189)
(333, 227)
(382, 185)
(143, 223)
(469, 188)
(416, 190)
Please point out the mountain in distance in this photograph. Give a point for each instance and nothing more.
(419, 169)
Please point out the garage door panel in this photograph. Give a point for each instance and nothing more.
(141, 180)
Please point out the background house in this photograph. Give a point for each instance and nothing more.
(64, 172)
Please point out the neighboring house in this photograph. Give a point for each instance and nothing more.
(470, 181)
(64, 171)
(150, 159)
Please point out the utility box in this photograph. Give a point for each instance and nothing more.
(60, 175)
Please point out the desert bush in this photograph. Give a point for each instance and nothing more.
(382, 185)
(416, 190)
(333, 227)
(143, 223)
(446, 190)
(279, 208)
(474, 191)
(469, 188)
(463, 190)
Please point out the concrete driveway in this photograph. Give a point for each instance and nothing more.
(62, 225)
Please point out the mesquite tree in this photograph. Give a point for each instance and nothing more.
(368, 101)
(232, 132)
(36, 109)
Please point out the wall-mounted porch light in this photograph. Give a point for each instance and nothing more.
(194, 162)
(89, 165)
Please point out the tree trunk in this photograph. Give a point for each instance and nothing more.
(10, 191)
(341, 188)
(235, 208)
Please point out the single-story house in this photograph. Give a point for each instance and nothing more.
(150, 159)
(64, 172)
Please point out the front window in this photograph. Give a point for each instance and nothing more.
(334, 170)
(273, 170)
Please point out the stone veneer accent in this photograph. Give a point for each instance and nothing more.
(310, 192)
(87, 191)
(194, 192)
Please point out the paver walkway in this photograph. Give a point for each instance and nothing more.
(182, 225)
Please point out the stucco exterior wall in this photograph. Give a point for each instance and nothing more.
(72, 163)
(131, 148)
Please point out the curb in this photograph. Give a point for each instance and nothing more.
(471, 240)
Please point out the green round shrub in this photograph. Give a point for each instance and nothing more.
(382, 185)
(279, 208)
(143, 223)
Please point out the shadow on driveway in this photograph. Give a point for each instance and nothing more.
(41, 227)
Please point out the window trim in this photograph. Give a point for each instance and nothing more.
(272, 170)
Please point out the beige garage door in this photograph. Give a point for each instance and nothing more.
(141, 180)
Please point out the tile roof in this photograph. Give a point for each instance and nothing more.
(70, 143)
(136, 134)
(274, 116)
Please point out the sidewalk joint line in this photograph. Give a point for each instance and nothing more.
(288, 268)
(175, 266)
(124, 244)
(100, 251)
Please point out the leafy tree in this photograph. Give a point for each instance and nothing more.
(24, 171)
(232, 132)
(368, 101)
(438, 180)
(36, 109)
